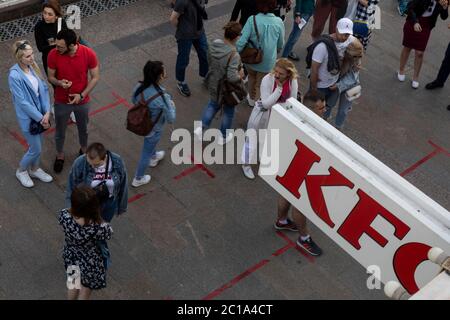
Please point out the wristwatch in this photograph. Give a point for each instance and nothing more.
(81, 96)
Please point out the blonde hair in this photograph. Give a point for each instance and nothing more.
(18, 53)
(352, 56)
(288, 66)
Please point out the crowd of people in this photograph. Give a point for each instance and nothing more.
(251, 64)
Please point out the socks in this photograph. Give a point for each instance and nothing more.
(284, 221)
(305, 238)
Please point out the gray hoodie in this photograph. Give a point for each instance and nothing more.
(218, 54)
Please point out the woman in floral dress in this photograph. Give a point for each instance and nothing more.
(83, 228)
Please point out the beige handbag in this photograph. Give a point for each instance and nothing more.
(353, 93)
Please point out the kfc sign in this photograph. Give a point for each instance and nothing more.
(370, 211)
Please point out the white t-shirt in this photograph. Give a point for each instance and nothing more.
(342, 46)
(34, 82)
(320, 55)
(99, 176)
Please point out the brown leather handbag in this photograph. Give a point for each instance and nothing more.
(231, 93)
(252, 54)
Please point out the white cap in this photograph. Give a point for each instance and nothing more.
(345, 25)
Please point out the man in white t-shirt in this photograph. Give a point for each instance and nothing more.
(321, 78)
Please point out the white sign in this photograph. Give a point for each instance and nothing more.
(366, 208)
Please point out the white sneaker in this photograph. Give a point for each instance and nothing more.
(248, 172)
(198, 133)
(400, 77)
(41, 175)
(251, 102)
(24, 178)
(159, 155)
(221, 141)
(140, 182)
(415, 84)
(72, 117)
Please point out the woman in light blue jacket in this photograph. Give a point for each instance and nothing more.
(162, 110)
(32, 103)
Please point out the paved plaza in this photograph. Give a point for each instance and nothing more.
(206, 232)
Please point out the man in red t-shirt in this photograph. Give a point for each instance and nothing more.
(68, 67)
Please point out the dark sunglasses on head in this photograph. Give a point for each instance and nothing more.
(22, 46)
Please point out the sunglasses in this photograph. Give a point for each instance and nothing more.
(23, 45)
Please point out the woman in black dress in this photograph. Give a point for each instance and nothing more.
(83, 259)
(422, 17)
(46, 29)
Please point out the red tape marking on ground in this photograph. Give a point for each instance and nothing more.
(442, 150)
(193, 169)
(251, 270)
(279, 252)
(420, 162)
(19, 138)
(203, 168)
(186, 172)
(109, 106)
(294, 245)
(136, 197)
(124, 101)
(243, 275)
(437, 150)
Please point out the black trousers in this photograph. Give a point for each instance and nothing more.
(444, 71)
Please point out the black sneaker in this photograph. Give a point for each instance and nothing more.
(290, 225)
(433, 85)
(310, 246)
(58, 165)
(184, 89)
(293, 56)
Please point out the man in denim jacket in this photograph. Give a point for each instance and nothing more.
(89, 169)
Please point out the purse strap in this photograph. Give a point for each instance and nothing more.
(233, 52)
(108, 158)
(156, 95)
(256, 30)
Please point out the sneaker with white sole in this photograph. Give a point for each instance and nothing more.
(221, 141)
(140, 182)
(198, 133)
(415, 84)
(159, 155)
(41, 175)
(24, 178)
(400, 77)
(248, 172)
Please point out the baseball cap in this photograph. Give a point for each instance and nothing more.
(345, 25)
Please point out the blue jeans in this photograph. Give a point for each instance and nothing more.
(403, 4)
(32, 156)
(184, 50)
(148, 151)
(109, 209)
(331, 98)
(210, 111)
(294, 36)
(344, 108)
